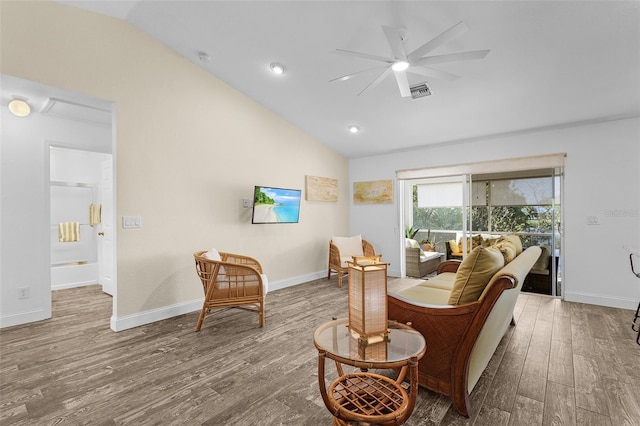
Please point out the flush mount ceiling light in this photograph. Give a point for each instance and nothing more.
(354, 128)
(400, 66)
(277, 68)
(19, 107)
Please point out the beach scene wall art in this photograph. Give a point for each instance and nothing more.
(375, 191)
(321, 188)
(276, 205)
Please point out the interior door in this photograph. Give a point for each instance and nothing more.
(106, 247)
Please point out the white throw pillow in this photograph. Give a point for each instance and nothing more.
(212, 255)
(349, 246)
(409, 243)
(265, 283)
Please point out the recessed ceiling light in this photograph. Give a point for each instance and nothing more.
(19, 107)
(354, 129)
(400, 66)
(277, 68)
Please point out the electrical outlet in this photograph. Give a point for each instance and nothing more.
(23, 293)
(247, 203)
(593, 220)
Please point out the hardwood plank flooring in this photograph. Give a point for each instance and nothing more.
(563, 364)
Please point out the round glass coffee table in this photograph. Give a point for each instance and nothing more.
(363, 396)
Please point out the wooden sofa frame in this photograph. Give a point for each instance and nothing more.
(335, 263)
(450, 333)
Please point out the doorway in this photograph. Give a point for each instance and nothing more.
(81, 199)
(58, 118)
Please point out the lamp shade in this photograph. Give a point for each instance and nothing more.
(368, 298)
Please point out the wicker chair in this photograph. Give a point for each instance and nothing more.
(234, 281)
(418, 268)
(338, 258)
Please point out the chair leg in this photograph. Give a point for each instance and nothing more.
(261, 313)
(339, 279)
(201, 319)
(635, 326)
(329, 273)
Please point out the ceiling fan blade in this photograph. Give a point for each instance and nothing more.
(375, 82)
(366, 56)
(403, 83)
(430, 72)
(453, 32)
(451, 57)
(395, 42)
(348, 76)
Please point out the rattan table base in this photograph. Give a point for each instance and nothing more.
(368, 397)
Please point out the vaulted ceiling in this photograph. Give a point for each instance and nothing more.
(551, 64)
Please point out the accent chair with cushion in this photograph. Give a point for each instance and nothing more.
(418, 262)
(230, 281)
(342, 250)
(540, 279)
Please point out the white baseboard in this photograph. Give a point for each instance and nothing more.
(290, 282)
(135, 320)
(600, 300)
(73, 285)
(24, 318)
(146, 317)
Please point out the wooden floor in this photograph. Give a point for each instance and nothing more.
(563, 364)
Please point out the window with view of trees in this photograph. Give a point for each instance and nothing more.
(527, 206)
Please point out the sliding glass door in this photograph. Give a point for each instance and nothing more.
(454, 214)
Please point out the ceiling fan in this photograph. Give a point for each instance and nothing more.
(414, 62)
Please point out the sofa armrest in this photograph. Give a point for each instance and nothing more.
(419, 304)
(449, 266)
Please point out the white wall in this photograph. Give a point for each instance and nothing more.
(25, 222)
(602, 178)
(183, 170)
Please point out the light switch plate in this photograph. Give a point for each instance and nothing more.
(131, 222)
(593, 220)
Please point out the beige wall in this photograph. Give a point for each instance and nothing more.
(189, 149)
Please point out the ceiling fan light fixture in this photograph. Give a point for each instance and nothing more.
(354, 128)
(277, 68)
(400, 66)
(19, 107)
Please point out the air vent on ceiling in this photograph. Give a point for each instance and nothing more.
(75, 111)
(420, 91)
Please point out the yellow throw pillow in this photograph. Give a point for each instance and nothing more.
(474, 274)
(507, 249)
(454, 246)
(515, 240)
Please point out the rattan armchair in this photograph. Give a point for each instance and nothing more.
(234, 281)
(338, 260)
